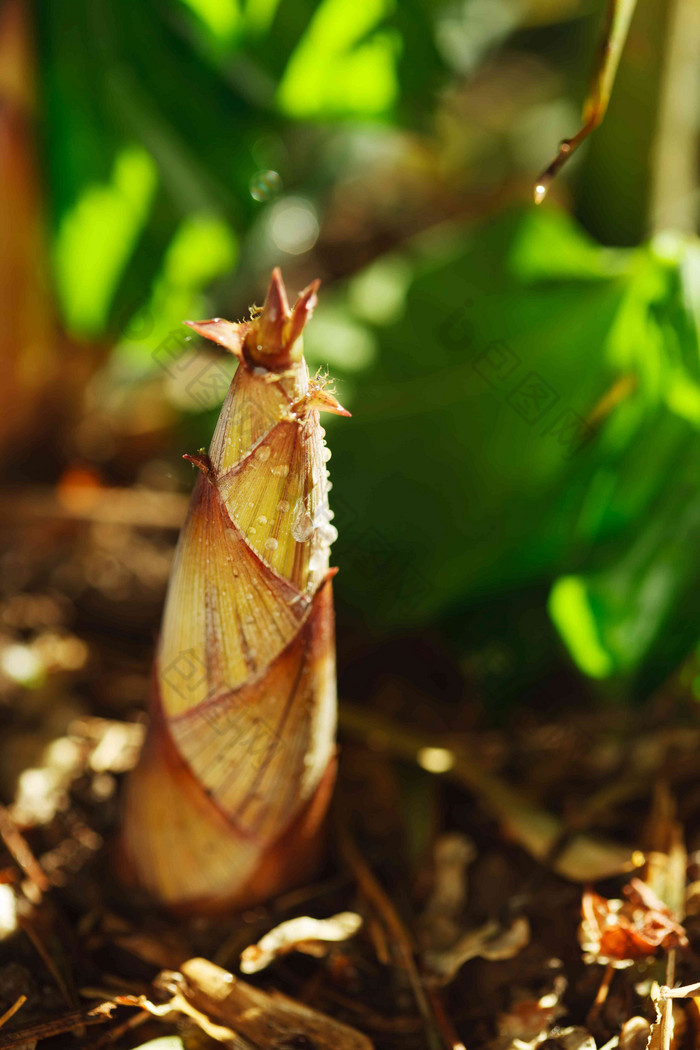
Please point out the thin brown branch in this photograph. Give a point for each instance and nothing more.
(19, 849)
(617, 21)
(65, 1023)
(374, 893)
(12, 1010)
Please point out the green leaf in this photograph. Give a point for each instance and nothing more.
(344, 65)
(520, 423)
(96, 238)
(450, 465)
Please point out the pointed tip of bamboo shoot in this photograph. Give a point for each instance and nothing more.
(324, 401)
(276, 307)
(272, 338)
(302, 311)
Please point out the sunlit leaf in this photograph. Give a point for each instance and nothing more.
(221, 17)
(344, 64)
(203, 248)
(96, 238)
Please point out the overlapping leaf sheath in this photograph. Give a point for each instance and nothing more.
(226, 803)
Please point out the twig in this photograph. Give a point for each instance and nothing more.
(602, 995)
(668, 1003)
(666, 875)
(449, 1034)
(135, 1021)
(617, 21)
(19, 849)
(685, 991)
(63, 986)
(373, 891)
(12, 1010)
(65, 1023)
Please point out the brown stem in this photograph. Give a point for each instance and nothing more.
(375, 895)
(617, 19)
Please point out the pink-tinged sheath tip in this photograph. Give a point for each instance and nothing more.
(309, 295)
(200, 460)
(228, 334)
(336, 408)
(302, 311)
(324, 401)
(307, 300)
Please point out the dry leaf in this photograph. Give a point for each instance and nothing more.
(529, 1020)
(635, 1034)
(239, 1015)
(304, 934)
(619, 931)
(490, 941)
(439, 926)
(575, 1038)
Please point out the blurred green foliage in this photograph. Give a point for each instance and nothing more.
(530, 418)
(526, 401)
(163, 113)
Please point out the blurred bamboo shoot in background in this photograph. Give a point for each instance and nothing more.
(27, 334)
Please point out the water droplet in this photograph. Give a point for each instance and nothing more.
(329, 534)
(318, 562)
(302, 525)
(283, 506)
(326, 454)
(271, 544)
(252, 530)
(263, 453)
(261, 520)
(265, 185)
(280, 472)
